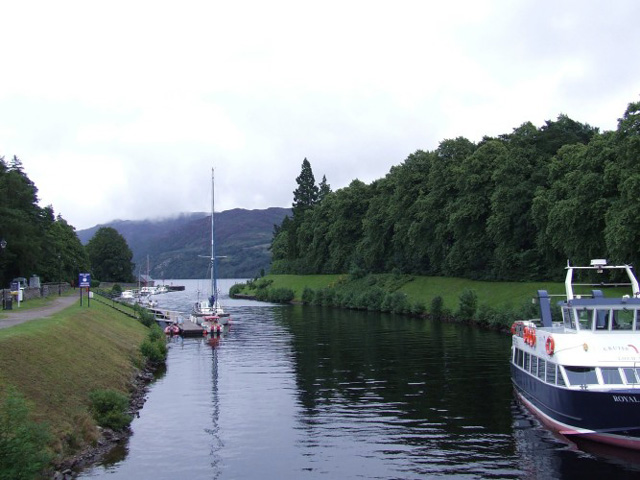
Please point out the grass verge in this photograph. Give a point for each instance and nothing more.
(418, 288)
(55, 362)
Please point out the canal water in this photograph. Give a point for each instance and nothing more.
(298, 392)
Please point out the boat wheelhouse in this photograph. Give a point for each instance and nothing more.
(581, 375)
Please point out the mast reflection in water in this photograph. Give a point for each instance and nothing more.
(306, 392)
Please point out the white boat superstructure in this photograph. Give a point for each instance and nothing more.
(581, 375)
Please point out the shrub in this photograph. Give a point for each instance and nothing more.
(329, 297)
(155, 352)
(23, 443)
(144, 316)
(418, 308)
(109, 409)
(156, 333)
(307, 295)
(281, 295)
(468, 304)
(154, 347)
(236, 289)
(371, 299)
(437, 307)
(395, 302)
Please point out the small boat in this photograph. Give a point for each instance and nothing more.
(172, 329)
(127, 295)
(211, 306)
(211, 325)
(581, 375)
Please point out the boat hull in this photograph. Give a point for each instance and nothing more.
(610, 416)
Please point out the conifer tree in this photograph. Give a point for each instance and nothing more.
(306, 195)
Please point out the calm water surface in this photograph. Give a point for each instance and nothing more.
(306, 392)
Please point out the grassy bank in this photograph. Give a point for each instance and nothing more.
(493, 303)
(418, 288)
(57, 361)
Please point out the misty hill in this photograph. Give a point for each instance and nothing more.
(175, 245)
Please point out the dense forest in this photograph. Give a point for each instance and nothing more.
(34, 240)
(515, 207)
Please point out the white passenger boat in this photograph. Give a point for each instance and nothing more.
(581, 375)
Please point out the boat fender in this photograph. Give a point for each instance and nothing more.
(550, 346)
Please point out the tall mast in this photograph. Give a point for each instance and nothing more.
(214, 263)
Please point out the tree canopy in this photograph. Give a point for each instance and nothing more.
(37, 242)
(514, 207)
(110, 256)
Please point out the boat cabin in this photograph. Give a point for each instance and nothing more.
(598, 314)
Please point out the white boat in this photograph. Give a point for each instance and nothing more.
(211, 306)
(581, 375)
(127, 295)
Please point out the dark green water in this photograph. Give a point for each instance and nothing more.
(305, 392)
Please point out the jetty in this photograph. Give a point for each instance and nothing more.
(165, 317)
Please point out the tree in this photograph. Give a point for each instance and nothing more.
(622, 230)
(64, 255)
(110, 256)
(22, 222)
(324, 189)
(306, 195)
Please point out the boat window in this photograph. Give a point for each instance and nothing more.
(568, 318)
(584, 318)
(541, 368)
(560, 377)
(602, 319)
(551, 373)
(533, 364)
(632, 375)
(518, 357)
(611, 376)
(623, 319)
(525, 363)
(637, 319)
(581, 375)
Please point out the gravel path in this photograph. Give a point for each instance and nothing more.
(18, 315)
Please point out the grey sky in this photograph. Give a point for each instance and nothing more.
(119, 109)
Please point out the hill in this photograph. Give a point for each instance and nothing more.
(174, 246)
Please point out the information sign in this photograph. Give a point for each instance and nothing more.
(84, 280)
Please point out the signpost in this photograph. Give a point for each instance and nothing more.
(84, 280)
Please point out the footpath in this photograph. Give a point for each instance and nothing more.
(17, 315)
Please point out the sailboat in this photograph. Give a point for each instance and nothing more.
(209, 312)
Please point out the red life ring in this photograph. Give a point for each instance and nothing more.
(550, 345)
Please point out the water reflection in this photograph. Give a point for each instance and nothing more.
(306, 392)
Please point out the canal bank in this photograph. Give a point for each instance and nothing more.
(56, 360)
(492, 304)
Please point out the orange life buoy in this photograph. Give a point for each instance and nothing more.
(550, 346)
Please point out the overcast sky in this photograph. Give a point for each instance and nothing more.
(119, 109)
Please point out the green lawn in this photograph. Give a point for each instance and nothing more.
(424, 289)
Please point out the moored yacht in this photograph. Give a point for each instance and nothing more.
(211, 307)
(581, 375)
